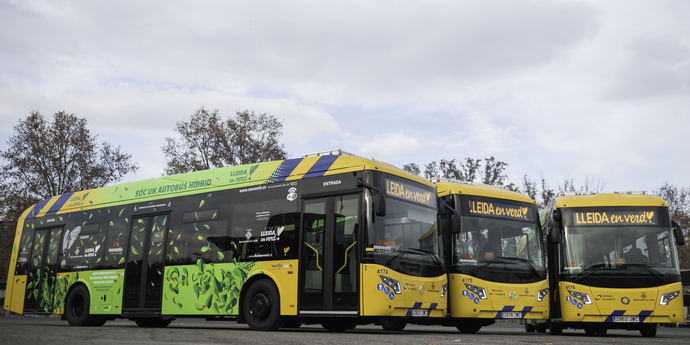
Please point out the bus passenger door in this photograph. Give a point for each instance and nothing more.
(329, 262)
(40, 285)
(144, 271)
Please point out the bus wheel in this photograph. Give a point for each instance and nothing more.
(541, 328)
(261, 306)
(152, 322)
(392, 324)
(556, 329)
(529, 328)
(469, 327)
(77, 309)
(648, 330)
(590, 331)
(339, 325)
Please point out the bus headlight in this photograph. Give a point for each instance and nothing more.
(541, 294)
(444, 288)
(479, 291)
(581, 296)
(668, 297)
(392, 283)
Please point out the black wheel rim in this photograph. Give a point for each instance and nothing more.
(260, 306)
(77, 306)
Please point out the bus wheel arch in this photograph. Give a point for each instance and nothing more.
(77, 307)
(260, 303)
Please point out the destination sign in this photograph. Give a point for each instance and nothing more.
(499, 208)
(411, 193)
(647, 216)
(612, 217)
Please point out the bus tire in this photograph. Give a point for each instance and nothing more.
(261, 306)
(392, 324)
(152, 322)
(530, 328)
(648, 330)
(469, 327)
(556, 329)
(541, 328)
(77, 309)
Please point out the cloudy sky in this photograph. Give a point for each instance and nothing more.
(560, 89)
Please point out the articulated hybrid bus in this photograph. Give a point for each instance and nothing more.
(613, 263)
(494, 258)
(330, 238)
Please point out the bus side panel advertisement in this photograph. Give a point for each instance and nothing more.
(214, 289)
(581, 303)
(386, 292)
(105, 290)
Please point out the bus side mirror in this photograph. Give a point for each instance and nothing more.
(555, 227)
(380, 204)
(379, 200)
(678, 234)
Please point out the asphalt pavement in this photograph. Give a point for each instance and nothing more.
(32, 330)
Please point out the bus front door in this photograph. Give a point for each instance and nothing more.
(40, 285)
(144, 270)
(329, 259)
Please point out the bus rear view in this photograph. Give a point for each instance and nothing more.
(613, 263)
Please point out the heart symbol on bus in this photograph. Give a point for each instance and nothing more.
(650, 215)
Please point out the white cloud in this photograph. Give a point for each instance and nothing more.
(390, 144)
(565, 88)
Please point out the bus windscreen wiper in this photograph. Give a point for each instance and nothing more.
(426, 251)
(414, 251)
(595, 266)
(646, 268)
(528, 262)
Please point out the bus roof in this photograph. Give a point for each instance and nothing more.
(247, 175)
(609, 199)
(479, 189)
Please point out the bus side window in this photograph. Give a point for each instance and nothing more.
(118, 225)
(264, 230)
(208, 240)
(83, 244)
(24, 252)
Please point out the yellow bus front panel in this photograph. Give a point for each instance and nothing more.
(581, 303)
(386, 292)
(477, 298)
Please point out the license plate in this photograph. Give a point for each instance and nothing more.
(511, 314)
(624, 318)
(420, 312)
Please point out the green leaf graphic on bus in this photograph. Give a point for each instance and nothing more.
(204, 288)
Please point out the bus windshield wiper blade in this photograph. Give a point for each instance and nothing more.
(427, 251)
(419, 251)
(595, 266)
(646, 268)
(528, 262)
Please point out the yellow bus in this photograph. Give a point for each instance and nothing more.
(494, 256)
(613, 263)
(330, 238)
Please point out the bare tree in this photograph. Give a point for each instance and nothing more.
(47, 158)
(678, 199)
(206, 141)
(412, 168)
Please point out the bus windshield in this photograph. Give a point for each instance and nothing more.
(407, 239)
(489, 239)
(613, 247)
